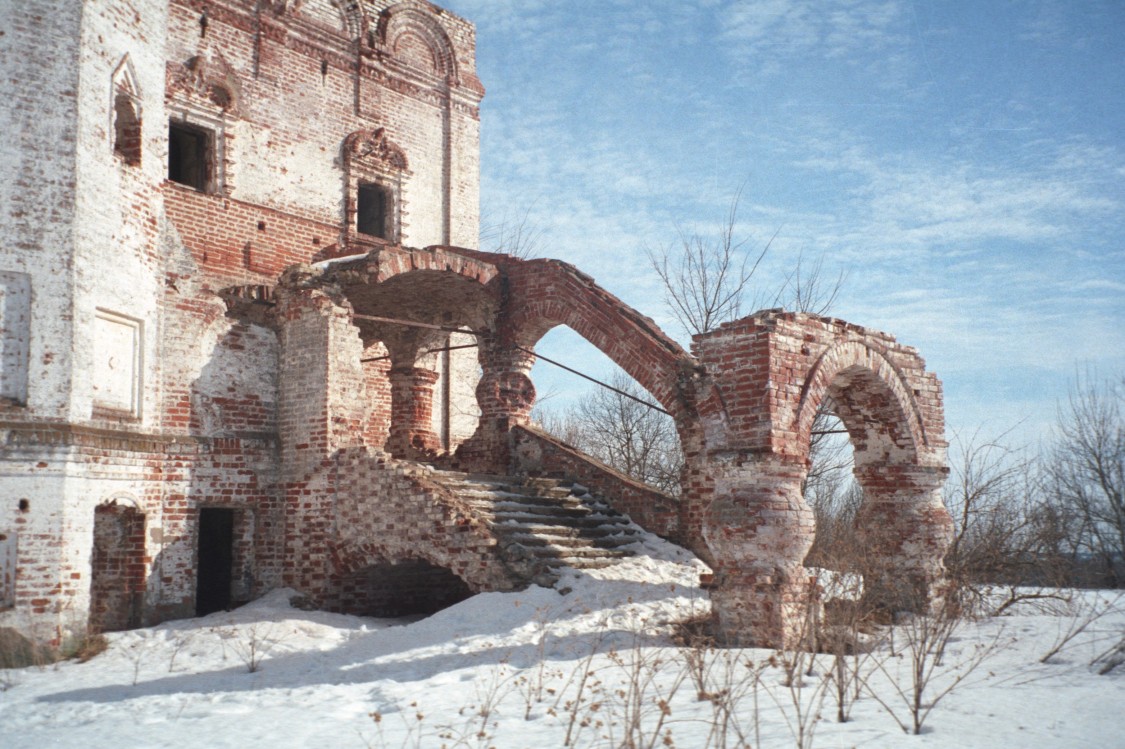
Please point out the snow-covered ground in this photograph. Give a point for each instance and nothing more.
(592, 658)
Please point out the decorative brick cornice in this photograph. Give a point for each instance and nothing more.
(19, 435)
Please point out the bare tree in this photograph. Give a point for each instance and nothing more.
(807, 289)
(511, 233)
(628, 436)
(1004, 543)
(988, 496)
(704, 279)
(1085, 471)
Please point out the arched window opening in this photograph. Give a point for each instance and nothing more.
(126, 130)
(375, 169)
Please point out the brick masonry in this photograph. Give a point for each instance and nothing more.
(191, 320)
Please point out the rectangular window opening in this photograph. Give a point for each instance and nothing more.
(189, 155)
(373, 203)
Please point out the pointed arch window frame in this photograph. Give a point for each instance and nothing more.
(126, 147)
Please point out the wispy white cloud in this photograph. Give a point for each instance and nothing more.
(762, 31)
(1100, 284)
(912, 203)
(973, 222)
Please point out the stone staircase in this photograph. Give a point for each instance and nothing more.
(544, 525)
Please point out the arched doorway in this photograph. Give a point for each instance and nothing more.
(407, 587)
(117, 567)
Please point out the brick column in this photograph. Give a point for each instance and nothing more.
(906, 532)
(412, 410)
(321, 412)
(759, 530)
(505, 395)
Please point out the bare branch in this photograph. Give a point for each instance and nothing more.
(514, 235)
(807, 290)
(704, 280)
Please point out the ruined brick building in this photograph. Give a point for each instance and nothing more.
(243, 346)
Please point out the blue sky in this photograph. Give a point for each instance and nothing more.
(962, 163)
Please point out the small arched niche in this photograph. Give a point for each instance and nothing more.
(117, 566)
(126, 114)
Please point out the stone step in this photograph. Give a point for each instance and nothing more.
(593, 533)
(558, 537)
(544, 525)
(532, 514)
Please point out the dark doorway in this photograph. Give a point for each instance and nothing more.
(216, 560)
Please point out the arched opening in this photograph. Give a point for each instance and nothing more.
(117, 568)
(878, 507)
(410, 587)
(457, 363)
(832, 492)
(126, 130)
(614, 420)
(421, 360)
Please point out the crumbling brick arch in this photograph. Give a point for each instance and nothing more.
(547, 293)
(396, 261)
(435, 572)
(768, 375)
(849, 373)
(892, 413)
(536, 296)
(413, 302)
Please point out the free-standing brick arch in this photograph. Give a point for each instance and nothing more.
(770, 374)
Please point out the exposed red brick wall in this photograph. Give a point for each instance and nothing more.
(117, 576)
(768, 375)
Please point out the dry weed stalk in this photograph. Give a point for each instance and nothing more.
(252, 649)
(930, 674)
(1084, 611)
